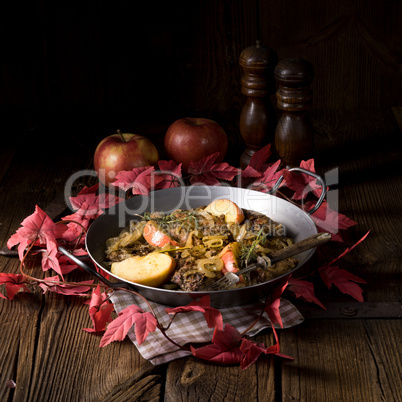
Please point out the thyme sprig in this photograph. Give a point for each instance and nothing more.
(248, 253)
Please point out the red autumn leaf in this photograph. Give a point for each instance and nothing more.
(206, 171)
(89, 205)
(276, 348)
(272, 305)
(65, 289)
(212, 316)
(301, 183)
(250, 173)
(139, 180)
(304, 290)
(251, 351)
(38, 228)
(14, 283)
(100, 309)
(90, 190)
(224, 349)
(66, 265)
(76, 226)
(259, 158)
(268, 178)
(343, 280)
(117, 330)
(50, 260)
(329, 220)
(349, 249)
(170, 175)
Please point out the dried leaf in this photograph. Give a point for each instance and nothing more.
(117, 330)
(14, 283)
(206, 171)
(303, 290)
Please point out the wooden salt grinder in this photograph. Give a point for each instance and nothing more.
(257, 118)
(294, 132)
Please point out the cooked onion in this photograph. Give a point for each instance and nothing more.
(210, 264)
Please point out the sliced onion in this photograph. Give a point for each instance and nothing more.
(215, 243)
(210, 264)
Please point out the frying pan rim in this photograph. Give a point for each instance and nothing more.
(308, 254)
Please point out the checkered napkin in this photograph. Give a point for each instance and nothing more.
(191, 327)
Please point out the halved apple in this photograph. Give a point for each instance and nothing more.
(233, 213)
(152, 270)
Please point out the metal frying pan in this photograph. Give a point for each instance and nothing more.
(298, 225)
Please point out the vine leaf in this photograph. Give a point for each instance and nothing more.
(224, 349)
(90, 205)
(51, 285)
(212, 316)
(14, 283)
(345, 281)
(304, 290)
(251, 351)
(100, 309)
(302, 184)
(329, 220)
(170, 174)
(268, 178)
(206, 171)
(38, 228)
(272, 304)
(117, 330)
(140, 180)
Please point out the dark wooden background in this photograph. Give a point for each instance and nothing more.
(91, 67)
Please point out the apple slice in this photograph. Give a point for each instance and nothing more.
(152, 270)
(154, 236)
(233, 214)
(229, 256)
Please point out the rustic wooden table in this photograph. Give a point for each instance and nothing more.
(350, 352)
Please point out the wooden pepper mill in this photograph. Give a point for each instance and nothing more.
(294, 132)
(257, 118)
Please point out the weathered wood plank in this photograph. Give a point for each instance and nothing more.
(341, 360)
(192, 379)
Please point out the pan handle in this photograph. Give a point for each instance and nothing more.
(309, 173)
(92, 271)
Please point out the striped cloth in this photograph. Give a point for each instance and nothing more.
(191, 327)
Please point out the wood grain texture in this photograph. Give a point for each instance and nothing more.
(353, 47)
(192, 379)
(328, 358)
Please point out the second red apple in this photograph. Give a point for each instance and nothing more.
(191, 139)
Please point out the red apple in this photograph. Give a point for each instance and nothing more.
(123, 151)
(191, 139)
